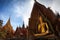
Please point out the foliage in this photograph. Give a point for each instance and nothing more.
(2, 34)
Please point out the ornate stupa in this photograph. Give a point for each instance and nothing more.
(8, 29)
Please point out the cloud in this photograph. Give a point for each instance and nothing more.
(45, 2)
(56, 5)
(23, 11)
(20, 10)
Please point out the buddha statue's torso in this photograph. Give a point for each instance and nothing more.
(42, 28)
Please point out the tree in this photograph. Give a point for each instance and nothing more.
(1, 22)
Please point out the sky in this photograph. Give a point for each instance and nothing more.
(19, 10)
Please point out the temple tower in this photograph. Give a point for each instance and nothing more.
(8, 29)
(37, 11)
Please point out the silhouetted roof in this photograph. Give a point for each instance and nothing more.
(39, 9)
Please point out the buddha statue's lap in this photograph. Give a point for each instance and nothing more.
(42, 29)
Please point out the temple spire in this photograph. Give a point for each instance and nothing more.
(23, 26)
(8, 22)
(35, 0)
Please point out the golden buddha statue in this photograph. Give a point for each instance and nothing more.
(42, 28)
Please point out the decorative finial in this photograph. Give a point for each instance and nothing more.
(23, 26)
(35, 0)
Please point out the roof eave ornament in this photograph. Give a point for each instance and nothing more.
(35, 0)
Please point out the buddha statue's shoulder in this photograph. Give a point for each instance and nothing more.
(44, 23)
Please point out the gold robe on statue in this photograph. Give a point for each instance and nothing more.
(42, 28)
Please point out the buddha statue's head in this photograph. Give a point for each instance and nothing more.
(40, 19)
